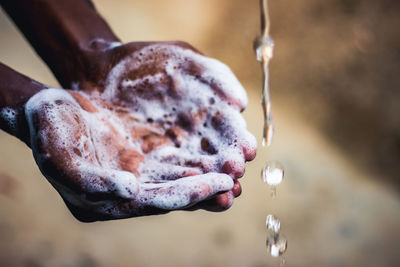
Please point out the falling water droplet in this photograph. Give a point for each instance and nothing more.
(272, 174)
(273, 223)
(276, 244)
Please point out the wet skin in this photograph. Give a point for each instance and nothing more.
(126, 150)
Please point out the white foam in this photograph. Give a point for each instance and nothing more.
(221, 128)
(214, 70)
(186, 191)
(10, 116)
(149, 78)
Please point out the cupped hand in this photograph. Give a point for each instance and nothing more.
(155, 129)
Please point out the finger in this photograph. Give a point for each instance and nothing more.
(214, 74)
(249, 145)
(98, 183)
(220, 202)
(224, 201)
(229, 160)
(154, 170)
(184, 66)
(236, 189)
(223, 80)
(232, 126)
(185, 192)
(106, 196)
(223, 155)
(189, 158)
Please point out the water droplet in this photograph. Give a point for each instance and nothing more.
(273, 223)
(276, 244)
(273, 173)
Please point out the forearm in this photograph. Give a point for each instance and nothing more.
(15, 91)
(66, 34)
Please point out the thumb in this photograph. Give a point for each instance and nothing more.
(184, 192)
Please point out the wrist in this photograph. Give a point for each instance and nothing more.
(15, 90)
(68, 35)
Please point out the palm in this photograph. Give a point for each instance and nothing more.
(161, 132)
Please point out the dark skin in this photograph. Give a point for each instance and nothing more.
(15, 90)
(78, 46)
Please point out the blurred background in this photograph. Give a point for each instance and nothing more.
(336, 103)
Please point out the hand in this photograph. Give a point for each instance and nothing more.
(161, 132)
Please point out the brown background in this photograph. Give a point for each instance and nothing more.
(335, 88)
